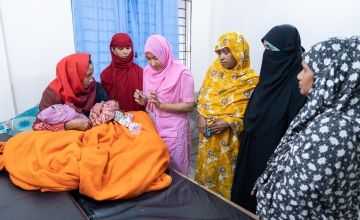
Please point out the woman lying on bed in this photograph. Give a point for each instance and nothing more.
(103, 162)
(75, 86)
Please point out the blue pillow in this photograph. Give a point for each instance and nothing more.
(21, 122)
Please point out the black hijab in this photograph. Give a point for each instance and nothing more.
(274, 96)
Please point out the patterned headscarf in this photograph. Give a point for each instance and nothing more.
(336, 64)
(238, 46)
(223, 89)
(103, 112)
(329, 121)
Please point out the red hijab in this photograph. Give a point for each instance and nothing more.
(70, 74)
(122, 77)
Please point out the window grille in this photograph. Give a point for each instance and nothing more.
(184, 15)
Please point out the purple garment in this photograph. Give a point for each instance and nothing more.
(59, 113)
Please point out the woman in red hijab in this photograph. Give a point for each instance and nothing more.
(122, 77)
(75, 86)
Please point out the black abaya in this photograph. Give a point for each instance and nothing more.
(272, 106)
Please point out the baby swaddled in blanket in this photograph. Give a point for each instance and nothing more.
(104, 162)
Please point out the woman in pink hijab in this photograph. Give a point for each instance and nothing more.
(168, 94)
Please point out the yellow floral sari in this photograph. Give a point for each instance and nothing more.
(224, 94)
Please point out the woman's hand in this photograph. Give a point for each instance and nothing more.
(218, 125)
(140, 98)
(153, 98)
(202, 124)
(78, 124)
(169, 107)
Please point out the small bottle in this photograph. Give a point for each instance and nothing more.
(207, 130)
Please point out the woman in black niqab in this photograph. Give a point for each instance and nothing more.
(274, 103)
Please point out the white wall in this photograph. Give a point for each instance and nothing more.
(36, 34)
(7, 107)
(316, 20)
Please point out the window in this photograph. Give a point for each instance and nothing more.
(184, 21)
(95, 22)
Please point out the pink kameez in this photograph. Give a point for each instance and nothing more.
(173, 84)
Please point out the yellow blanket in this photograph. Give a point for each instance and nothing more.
(105, 162)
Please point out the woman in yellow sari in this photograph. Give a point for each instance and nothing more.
(222, 101)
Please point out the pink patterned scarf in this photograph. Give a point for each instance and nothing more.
(103, 112)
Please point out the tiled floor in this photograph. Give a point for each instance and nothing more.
(194, 143)
(193, 156)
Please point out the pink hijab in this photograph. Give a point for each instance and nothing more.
(165, 81)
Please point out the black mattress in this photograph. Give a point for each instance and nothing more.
(183, 199)
(16, 203)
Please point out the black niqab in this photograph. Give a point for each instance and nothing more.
(271, 99)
